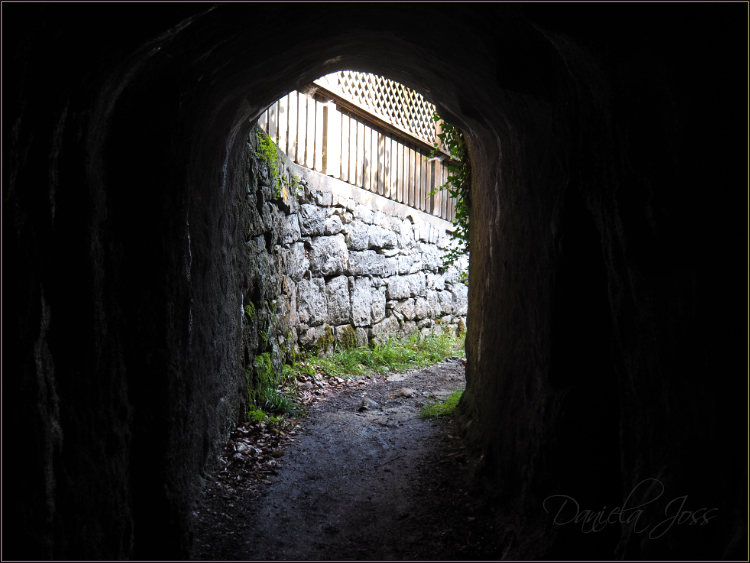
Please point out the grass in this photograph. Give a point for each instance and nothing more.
(276, 393)
(397, 354)
(268, 398)
(442, 408)
(259, 415)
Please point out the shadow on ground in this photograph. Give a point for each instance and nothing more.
(352, 482)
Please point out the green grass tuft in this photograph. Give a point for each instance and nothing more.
(442, 408)
(267, 396)
(256, 415)
(250, 310)
(275, 392)
(395, 355)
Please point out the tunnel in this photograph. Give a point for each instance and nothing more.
(607, 324)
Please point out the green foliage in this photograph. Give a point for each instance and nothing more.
(291, 349)
(442, 408)
(264, 368)
(269, 154)
(296, 187)
(250, 310)
(287, 372)
(458, 186)
(256, 415)
(267, 395)
(396, 354)
(304, 368)
(270, 402)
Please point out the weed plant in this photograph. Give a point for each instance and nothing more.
(268, 153)
(397, 354)
(442, 408)
(458, 186)
(268, 397)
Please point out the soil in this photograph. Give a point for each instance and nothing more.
(350, 482)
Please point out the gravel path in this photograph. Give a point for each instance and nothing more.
(351, 482)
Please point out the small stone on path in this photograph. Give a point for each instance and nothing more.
(368, 404)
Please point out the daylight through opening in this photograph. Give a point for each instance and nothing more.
(352, 209)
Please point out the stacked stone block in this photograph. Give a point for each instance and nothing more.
(339, 261)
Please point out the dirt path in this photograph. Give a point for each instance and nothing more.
(352, 483)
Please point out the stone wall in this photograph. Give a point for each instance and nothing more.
(330, 262)
(592, 146)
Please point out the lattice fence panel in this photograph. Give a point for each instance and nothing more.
(391, 101)
(348, 146)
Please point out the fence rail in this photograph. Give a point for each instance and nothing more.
(396, 104)
(328, 133)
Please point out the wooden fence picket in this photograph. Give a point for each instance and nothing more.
(378, 140)
(352, 150)
(273, 113)
(310, 133)
(319, 129)
(292, 143)
(367, 167)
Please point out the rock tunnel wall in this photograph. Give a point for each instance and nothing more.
(329, 263)
(607, 338)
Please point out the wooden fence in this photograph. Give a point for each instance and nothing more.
(331, 133)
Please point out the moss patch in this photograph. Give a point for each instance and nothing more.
(326, 342)
(442, 408)
(269, 154)
(348, 338)
(250, 311)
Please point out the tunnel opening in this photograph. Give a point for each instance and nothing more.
(581, 400)
(359, 164)
(345, 221)
(132, 370)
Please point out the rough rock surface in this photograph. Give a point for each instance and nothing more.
(608, 270)
(337, 296)
(362, 478)
(312, 308)
(312, 220)
(361, 301)
(347, 267)
(328, 255)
